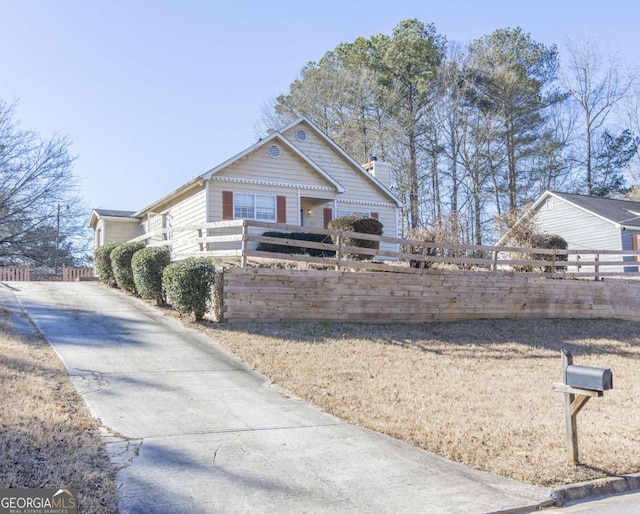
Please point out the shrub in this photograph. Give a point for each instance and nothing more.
(187, 285)
(362, 224)
(102, 263)
(550, 241)
(147, 266)
(121, 264)
(292, 250)
(424, 236)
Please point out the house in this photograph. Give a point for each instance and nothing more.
(590, 222)
(296, 175)
(110, 225)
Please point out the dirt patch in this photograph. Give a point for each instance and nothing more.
(48, 439)
(479, 392)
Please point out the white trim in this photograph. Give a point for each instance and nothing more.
(255, 208)
(272, 183)
(274, 151)
(583, 209)
(276, 135)
(207, 201)
(366, 202)
(118, 218)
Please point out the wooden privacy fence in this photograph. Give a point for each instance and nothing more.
(14, 273)
(241, 238)
(73, 274)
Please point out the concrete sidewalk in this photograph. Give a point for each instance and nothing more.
(194, 430)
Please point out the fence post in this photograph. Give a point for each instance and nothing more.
(243, 258)
(571, 425)
(339, 251)
(200, 243)
(552, 269)
(597, 268)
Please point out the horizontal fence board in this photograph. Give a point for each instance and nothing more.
(422, 255)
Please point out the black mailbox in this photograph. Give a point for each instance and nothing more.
(586, 377)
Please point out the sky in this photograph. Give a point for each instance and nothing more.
(154, 93)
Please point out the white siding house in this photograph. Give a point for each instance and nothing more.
(297, 175)
(590, 222)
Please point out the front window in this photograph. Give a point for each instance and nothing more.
(254, 207)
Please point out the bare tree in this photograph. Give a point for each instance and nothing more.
(596, 84)
(41, 217)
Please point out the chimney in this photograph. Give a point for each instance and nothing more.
(380, 170)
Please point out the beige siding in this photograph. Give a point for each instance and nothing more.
(190, 209)
(386, 215)
(216, 188)
(361, 195)
(120, 231)
(357, 185)
(289, 168)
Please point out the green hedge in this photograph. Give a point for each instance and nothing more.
(147, 266)
(121, 265)
(297, 236)
(188, 284)
(102, 263)
(552, 242)
(363, 224)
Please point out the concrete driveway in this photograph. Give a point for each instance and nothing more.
(194, 430)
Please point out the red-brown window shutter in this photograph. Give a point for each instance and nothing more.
(634, 243)
(227, 205)
(281, 209)
(328, 216)
(374, 215)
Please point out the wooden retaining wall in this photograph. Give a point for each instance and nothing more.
(284, 294)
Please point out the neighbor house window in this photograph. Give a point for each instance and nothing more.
(254, 207)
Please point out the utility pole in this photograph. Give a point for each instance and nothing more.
(55, 255)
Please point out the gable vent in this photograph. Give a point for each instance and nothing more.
(274, 151)
(301, 135)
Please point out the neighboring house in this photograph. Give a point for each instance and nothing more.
(296, 175)
(590, 222)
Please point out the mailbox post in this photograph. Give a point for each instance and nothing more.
(580, 383)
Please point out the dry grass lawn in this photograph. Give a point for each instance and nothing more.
(477, 392)
(47, 437)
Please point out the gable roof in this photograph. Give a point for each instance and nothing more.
(357, 166)
(281, 139)
(622, 213)
(278, 135)
(112, 214)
